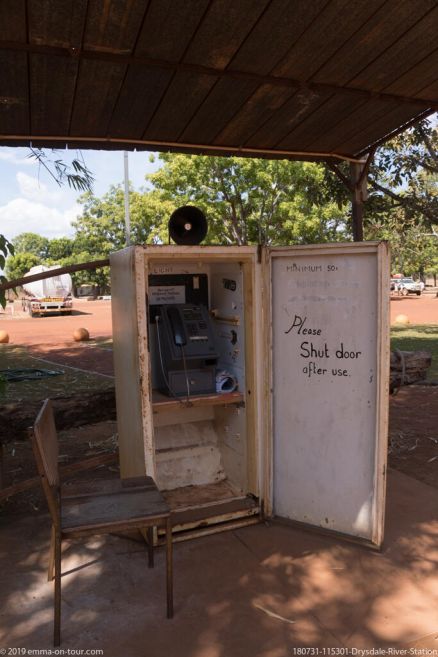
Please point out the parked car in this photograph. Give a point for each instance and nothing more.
(407, 286)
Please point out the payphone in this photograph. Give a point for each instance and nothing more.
(186, 347)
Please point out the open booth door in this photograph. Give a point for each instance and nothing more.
(329, 379)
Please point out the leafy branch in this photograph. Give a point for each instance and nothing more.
(77, 175)
(6, 248)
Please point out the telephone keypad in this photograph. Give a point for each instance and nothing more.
(193, 330)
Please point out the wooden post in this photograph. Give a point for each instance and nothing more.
(357, 184)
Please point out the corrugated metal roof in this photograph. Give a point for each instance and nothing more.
(274, 78)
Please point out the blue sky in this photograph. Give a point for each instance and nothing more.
(31, 201)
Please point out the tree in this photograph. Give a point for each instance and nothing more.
(99, 277)
(18, 265)
(406, 171)
(403, 198)
(413, 249)
(405, 180)
(101, 227)
(31, 243)
(60, 248)
(250, 201)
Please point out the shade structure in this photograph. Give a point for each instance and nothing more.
(311, 79)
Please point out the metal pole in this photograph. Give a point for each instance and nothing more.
(358, 193)
(127, 217)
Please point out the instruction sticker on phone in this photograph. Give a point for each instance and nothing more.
(159, 294)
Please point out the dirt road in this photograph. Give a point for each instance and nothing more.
(23, 330)
(420, 310)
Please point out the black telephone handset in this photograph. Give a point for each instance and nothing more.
(176, 322)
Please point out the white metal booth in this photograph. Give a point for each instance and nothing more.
(303, 333)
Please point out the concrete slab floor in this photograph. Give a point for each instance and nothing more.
(261, 591)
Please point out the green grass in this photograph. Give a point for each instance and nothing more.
(71, 381)
(418, 338)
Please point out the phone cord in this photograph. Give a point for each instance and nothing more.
(166, 381)
(185, 373)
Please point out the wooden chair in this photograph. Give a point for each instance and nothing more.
(109, 506)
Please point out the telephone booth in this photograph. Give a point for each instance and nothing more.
(253, 382)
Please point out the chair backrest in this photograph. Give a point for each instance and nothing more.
(45, 446)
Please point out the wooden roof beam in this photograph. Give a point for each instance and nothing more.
(149, 144)
(120, 58)
(394, 133)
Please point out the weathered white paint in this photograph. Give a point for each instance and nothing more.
(127, 366)
(131, 362)
(188, 434)
(189, 466)
(326, 302)
(231, 426)
(183, 415)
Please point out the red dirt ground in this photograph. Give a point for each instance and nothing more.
(95, 316)
(51, 337)
(84, 356)
(413, 432)
(420, 310)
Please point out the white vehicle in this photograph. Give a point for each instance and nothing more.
(49, 295)
(408, 286)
